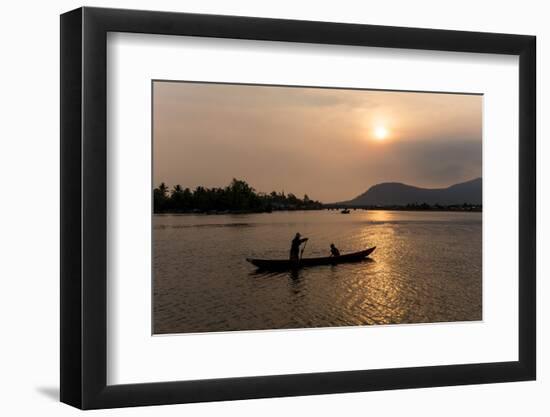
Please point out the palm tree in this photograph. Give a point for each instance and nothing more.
(176, 198)
(160, 198)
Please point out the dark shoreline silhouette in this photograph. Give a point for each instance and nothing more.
(237, 197)
(411, 207)
(240, 198)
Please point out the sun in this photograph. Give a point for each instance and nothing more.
(380, 133)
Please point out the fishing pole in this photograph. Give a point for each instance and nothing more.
(303, 249)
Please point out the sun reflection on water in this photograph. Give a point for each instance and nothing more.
(426, 268)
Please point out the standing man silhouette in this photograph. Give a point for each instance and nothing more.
(295, 247)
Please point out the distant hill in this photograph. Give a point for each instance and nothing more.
(398, 194)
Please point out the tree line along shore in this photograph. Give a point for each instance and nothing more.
(409, 207)
(237, 197)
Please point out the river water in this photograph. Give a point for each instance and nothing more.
(426, 268)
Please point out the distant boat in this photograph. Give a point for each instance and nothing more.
(345, 211)
(286, 264)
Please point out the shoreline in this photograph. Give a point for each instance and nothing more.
(351, 210)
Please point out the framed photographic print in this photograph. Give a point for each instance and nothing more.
(258, 207)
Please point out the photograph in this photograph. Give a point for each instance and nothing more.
(298, 207)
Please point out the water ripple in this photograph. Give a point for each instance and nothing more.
(426, 268)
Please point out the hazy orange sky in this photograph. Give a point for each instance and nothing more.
(332, 144)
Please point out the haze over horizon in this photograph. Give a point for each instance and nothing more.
(332, 144)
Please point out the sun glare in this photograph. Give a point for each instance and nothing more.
(380, 133)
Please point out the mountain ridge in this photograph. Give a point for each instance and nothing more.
(400, 194)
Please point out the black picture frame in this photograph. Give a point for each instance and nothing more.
(84, 207)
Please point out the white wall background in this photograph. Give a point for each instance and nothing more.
(29, 213)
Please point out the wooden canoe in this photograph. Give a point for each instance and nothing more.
(286, 264)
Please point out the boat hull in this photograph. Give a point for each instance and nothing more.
(285, 264)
